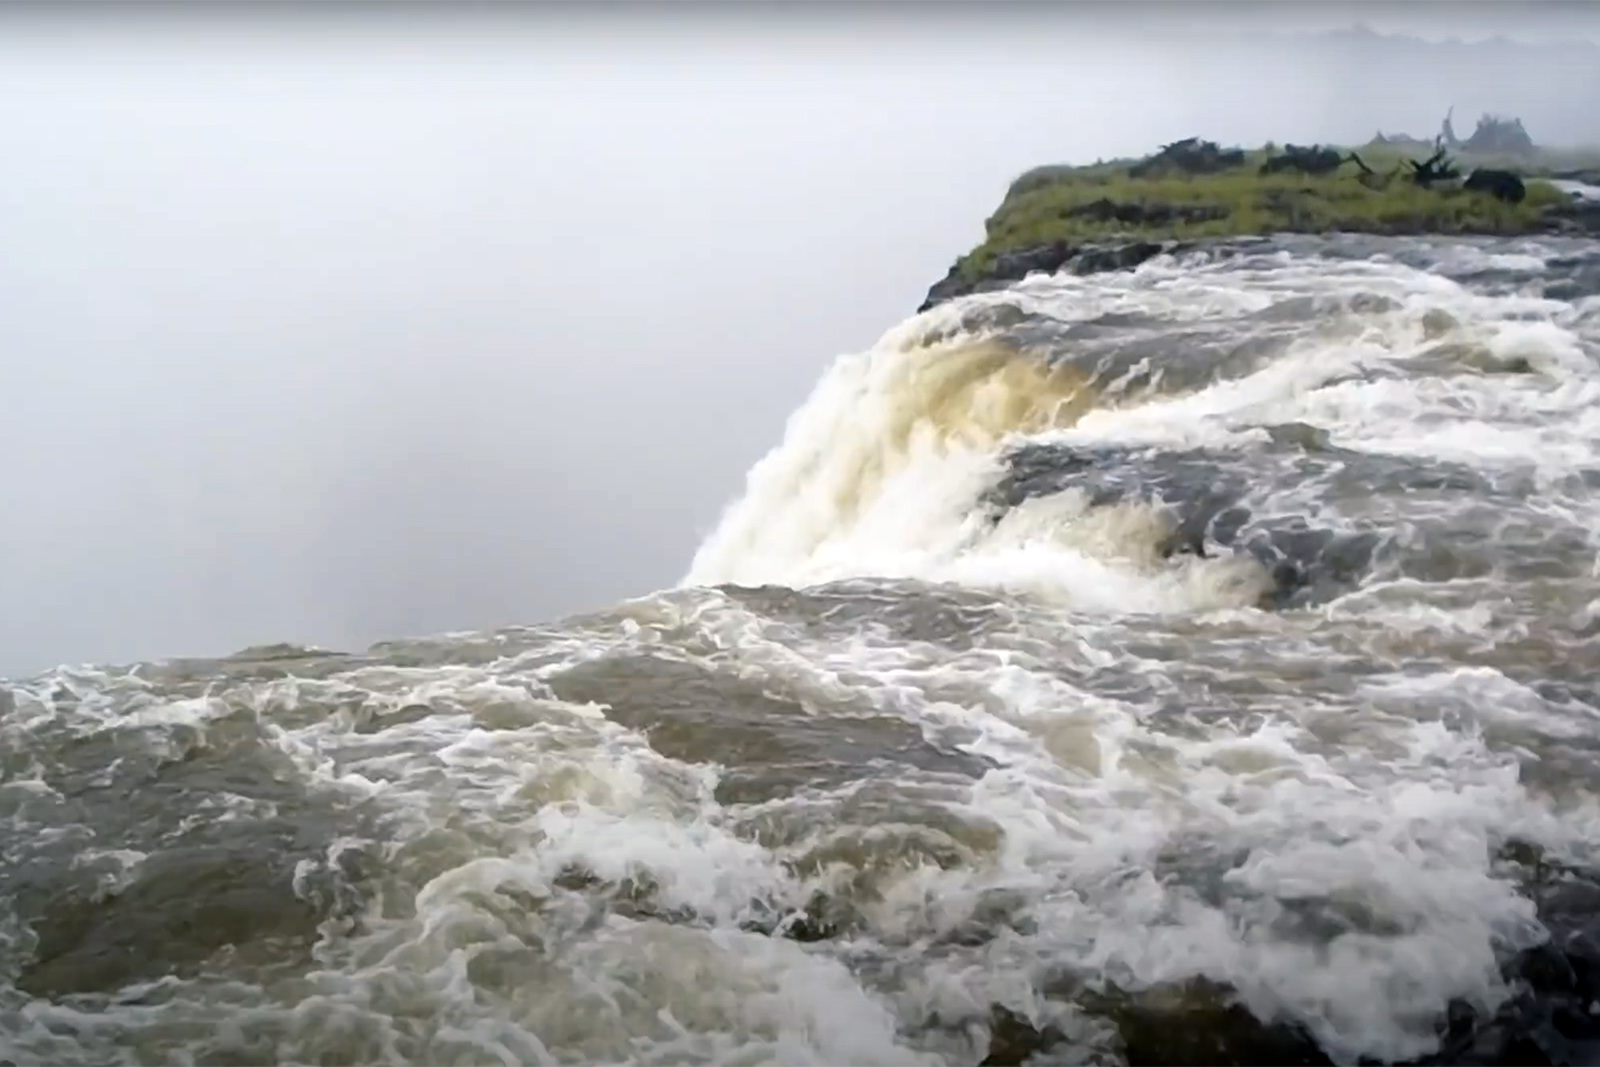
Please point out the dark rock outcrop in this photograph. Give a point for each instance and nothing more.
(1553, 1016)
(1011, 267)
(1216, 1030)
(1207, 505)
(1577, 218)
(1013, 1040)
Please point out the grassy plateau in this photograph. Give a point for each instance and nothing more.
(1104, 203)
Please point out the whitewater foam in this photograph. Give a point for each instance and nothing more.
(880, 470)
(929, 751)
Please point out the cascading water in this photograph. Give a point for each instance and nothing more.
(1189, 664)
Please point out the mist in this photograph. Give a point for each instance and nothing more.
(330, 329)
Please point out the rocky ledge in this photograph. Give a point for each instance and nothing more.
(1578, 218)
(1192, 193)
(1052, 258)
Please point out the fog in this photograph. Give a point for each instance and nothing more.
(329, 329)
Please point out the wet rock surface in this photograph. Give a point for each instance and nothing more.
(878, 820)
(1553, 1016)
(231, 900)
(1046, 259)
(1577, 218)
(1207, 501)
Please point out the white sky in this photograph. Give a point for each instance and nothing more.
(332, 329)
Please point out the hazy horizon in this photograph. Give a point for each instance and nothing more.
(339, 327)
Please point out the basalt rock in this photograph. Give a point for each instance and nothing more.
(1205, 501)
(1013, 1040)
(1577, 218)
(1553, 1016)
(1573, 218)
(1214, 1029)
(1009, 267)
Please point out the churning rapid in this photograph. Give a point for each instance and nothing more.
(1193, 664)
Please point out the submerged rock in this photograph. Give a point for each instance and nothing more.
(1554, 1015)
(186, 905)
(1207, 502)
(1576, 218)
(1013, 1040)
(1552, 1018)
(1201, 1023)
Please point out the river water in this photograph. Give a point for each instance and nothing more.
(1092, 667)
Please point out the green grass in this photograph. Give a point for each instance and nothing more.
(1038, 208)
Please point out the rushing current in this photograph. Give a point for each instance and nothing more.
(1099, 669)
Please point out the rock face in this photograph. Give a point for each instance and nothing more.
(1045, 259)
(1576, 218)
(1205, 502)
(1579, 218)
(1552, 1016)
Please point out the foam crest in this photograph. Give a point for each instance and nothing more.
(902, 427)
(880, 470)
(980, 716)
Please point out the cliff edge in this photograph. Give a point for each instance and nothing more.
(1116, 215)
